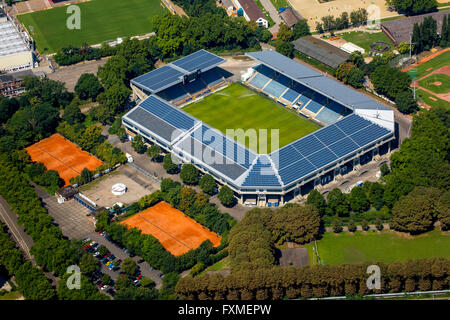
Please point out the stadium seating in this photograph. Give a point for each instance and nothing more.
(259, 80)
(211, 77)
(195, 86)
(291, 95)
(330, 114)
(275, 89)
(173, 93)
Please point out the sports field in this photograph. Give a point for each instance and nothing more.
(101, 20)
(433, 79)
(58, 153)
(365, 39)
(386, 246)
(175, 231)
(238, 107)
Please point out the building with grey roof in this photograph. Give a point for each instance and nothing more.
(321, 51)
(400, 30)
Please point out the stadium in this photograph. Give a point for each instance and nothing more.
(350, 129)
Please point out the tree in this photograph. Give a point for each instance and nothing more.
(51, 179)
(316, 199)
(337, 226)
(337, 203)
(413, 213)
(86, 175)
(364, 225)
(301, 29)
(384, 169)
(106, 279)
(443, 209)
(445, 32)
(226, 196)
(138, 144)
(129, 266)
(88, 264)
(168, 164)
(286, 48)
(357, 59)
(103, 250)
(414, 7)
(358, 200)
(351, 226)
(189, 174)
(91, 137)
(147, 282)
(208, 184)
(379, 224)
(153, 152)
(88, 87)
(285, 33)
(405, 102)
(72, 114)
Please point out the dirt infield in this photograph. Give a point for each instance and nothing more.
(426, 59)
(444, 96)
(58, 153)
(175, 231)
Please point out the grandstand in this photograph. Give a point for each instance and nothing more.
(355, 129)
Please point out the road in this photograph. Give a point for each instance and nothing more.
(10, 219)
(267, 4)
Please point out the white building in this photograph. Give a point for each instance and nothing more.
(15, 54)
(251, 12)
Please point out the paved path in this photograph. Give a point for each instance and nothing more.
(267, 4)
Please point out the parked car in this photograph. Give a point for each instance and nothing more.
(140, 261)
(96, 254)
(139, 277)
(86, 240)
(112, 256)
(104, 287)
(111, 292)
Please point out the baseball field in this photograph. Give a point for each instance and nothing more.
(101, 20)
(238, 107)
(59, 154)
(175, 231)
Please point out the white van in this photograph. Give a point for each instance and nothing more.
(129, 157)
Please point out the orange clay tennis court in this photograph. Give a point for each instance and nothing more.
(59, 154)
(176, 232)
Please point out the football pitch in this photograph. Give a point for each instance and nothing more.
(101, 20)
(238, 107)
(385, 246)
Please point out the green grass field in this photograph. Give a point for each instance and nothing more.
(101, 20)
(426, 97)
(387, 246)
(238, 107)
(365, 39)
(435, 63)
(429, 83)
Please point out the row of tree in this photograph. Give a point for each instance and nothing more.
(32, 282)
(330, 23)
(425, 35)
(316, 281)
(409, 7)
(70, 55)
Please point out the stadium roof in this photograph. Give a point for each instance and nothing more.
(321, 51)
(11, 41)
(325, 85)
(280, 170)
(399, 30)
(173, 73)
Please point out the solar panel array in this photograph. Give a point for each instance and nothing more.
(325, 146)
(171, 74)
(262, 174)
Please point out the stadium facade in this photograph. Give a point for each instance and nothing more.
(356, 128)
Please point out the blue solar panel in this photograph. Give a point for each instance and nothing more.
(168, 113)
(159, 78)
(322, 158)
(308, 145)
(352, 123)
(295, 171)
(262, 174)
(343, 147)
(198, 60)
(285, 156)
(369, 134)
(329, 134)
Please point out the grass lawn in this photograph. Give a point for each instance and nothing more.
(386, 247)
(435, 63)
(280, 3)
(101, 20)
(428, 83)
(365, 39)
(426, 97)
(238, 107)
(220, 265)
(13, 295)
